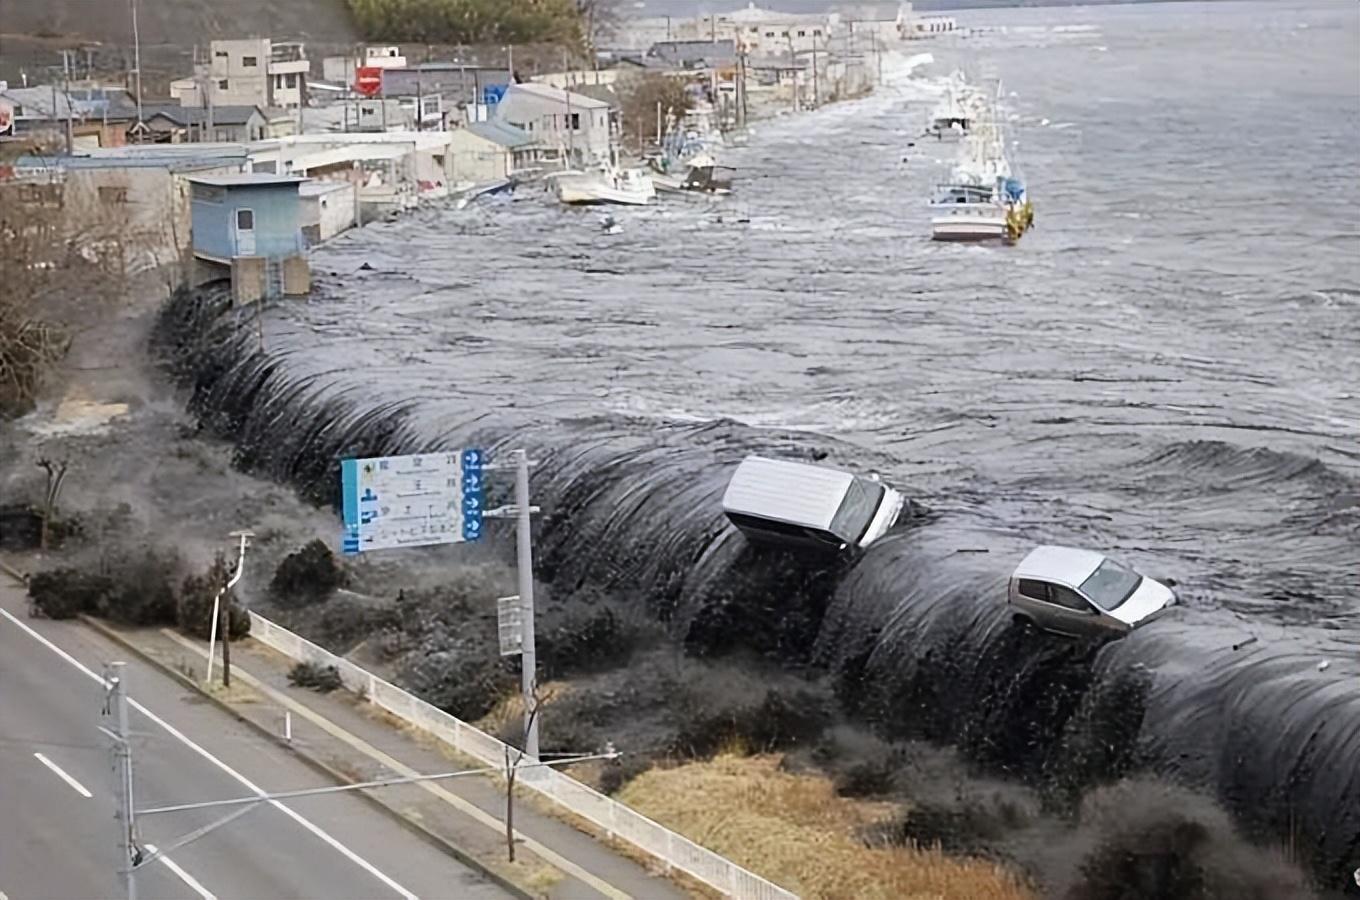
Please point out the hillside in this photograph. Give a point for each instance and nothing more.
(32, 33)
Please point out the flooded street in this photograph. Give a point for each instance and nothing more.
(1167, 367)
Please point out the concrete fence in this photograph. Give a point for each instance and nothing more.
(616, 819)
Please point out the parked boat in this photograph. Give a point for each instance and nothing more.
(606, 184)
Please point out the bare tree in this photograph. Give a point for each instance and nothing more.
(599, 20)
(513, 757)
(56, 476)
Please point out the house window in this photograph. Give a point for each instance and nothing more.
(245, 220)
(802, 34)
(292, 80)
(41, 194)
(113, 195)
(220, 54)
(209, 193)
(222, 85)
(785, 34)
(575, 121)
(816, 32)
(249, 62)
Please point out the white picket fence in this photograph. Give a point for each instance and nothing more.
(616, 819)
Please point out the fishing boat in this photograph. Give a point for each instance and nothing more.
(984, 199)
(606, 184)
(956, 112)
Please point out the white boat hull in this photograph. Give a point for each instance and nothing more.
(969, 225)
(583, 190)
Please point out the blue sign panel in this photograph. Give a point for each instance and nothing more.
(493, 93)
(411, 501)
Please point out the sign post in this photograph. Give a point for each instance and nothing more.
(427, 499)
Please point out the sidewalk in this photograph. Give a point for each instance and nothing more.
(341, 734)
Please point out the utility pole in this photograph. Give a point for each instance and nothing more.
(137, 65)
(525, 571)
(122, 770)
(816, 93)
(66, 88)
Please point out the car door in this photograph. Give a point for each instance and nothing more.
(1076, 613)
(1056, 607)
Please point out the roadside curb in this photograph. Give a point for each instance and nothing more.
(437, 841)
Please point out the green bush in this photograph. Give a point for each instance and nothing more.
(196, 603)
(66, 593)
(305, 576)
(322, 679)
(468, 21)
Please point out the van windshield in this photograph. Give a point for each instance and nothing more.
(857, 510)
(1110, 585)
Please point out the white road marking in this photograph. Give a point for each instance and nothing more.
(184, 876)
(75, 785)
(249, 785)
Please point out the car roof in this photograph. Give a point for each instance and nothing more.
(1070, 565)
(786, 491)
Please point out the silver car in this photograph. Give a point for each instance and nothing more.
(1083, 593)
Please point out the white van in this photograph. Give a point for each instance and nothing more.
(784, 502)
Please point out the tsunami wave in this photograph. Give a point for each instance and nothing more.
(1262, 714)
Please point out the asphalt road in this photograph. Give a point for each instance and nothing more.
(58, 836)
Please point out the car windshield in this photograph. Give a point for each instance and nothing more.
(857, 510)
(1110, 585)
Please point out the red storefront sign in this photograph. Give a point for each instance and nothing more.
(368, 80)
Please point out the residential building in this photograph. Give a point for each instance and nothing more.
(129, 208)
(248, 72)
(98, 117)
(704, 55)
(170, 124)
(568, 127)
(485, 152)
(341, 69)
(456, 84)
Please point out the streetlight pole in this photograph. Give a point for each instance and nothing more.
(122, 770)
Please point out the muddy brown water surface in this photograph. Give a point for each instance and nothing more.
(1167, 367)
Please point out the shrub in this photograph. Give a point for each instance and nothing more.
(66, 593)
(196, 603)
(322, 679)
(143, 591)
(306, 576)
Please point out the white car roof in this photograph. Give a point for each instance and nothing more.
(1067, 565)
(786, 491)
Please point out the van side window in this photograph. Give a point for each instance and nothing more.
(1035, 590)
(1069, 599)
(768, 525)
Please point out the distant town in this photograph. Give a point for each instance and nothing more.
(368, 134)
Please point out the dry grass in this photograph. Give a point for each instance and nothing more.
(795, 831)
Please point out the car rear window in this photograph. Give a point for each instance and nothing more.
(1110, 585)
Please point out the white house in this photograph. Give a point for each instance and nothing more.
(566, 125)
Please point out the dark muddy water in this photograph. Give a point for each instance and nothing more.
(1169, 366)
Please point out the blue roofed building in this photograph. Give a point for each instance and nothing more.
(249, 225)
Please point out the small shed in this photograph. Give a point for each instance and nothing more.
(250, 223)
(328, 208)
(490, 151)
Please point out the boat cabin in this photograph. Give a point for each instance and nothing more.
(796, 504)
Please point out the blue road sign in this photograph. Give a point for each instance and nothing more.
(411, 501)
(493, 93)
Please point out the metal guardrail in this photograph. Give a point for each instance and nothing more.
(617, 820)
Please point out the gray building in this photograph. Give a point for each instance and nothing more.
(458, 85)
(569, 127)
(224, 124)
